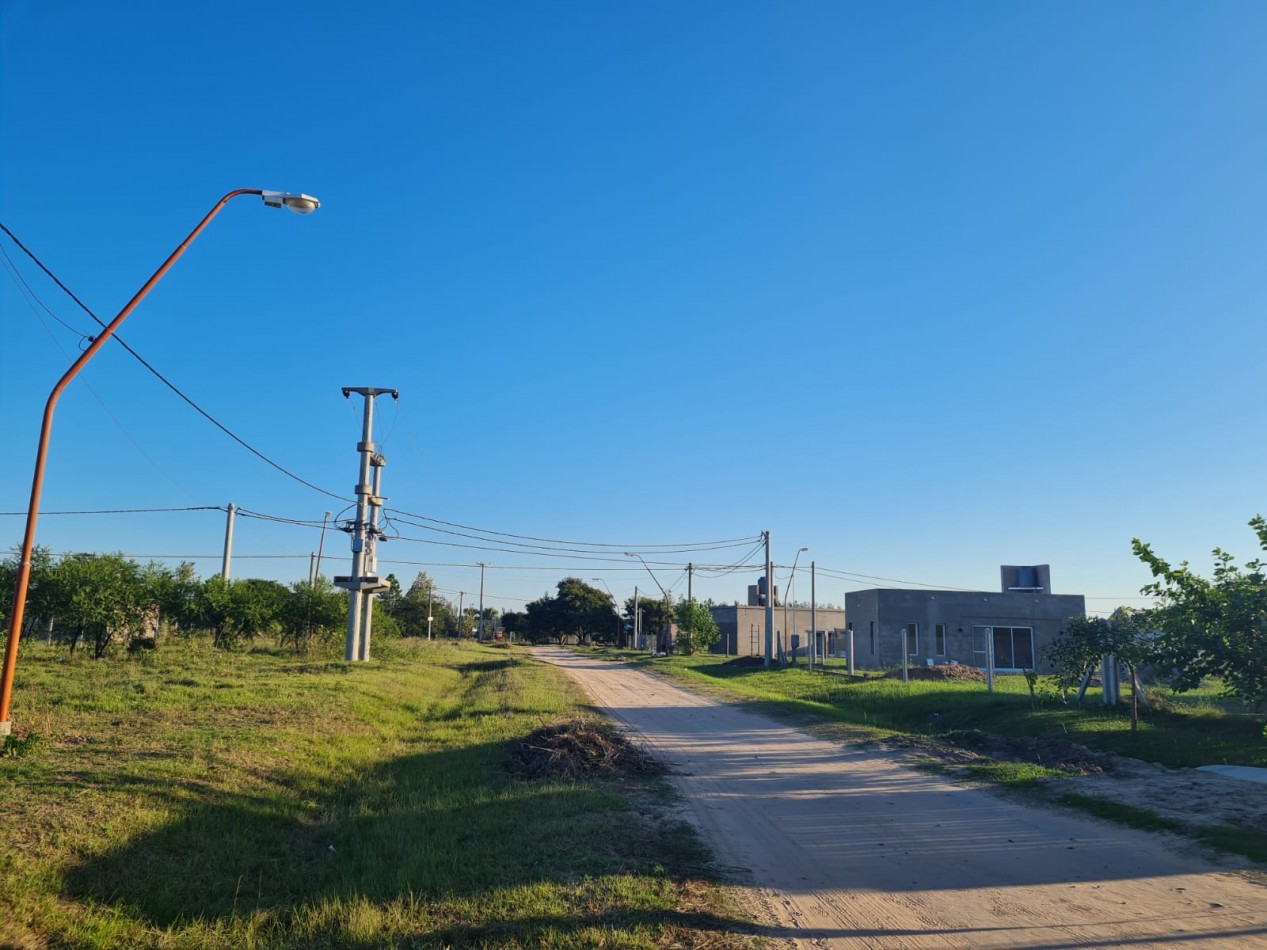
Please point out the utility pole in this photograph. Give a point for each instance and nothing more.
(228, 543)
(690, 581)
(377, 463)
(480, 635)
(461, 601)
(358, 584)
(637, 614)
(813, 613)
(321, 544)
(769, 603)
(429, 617)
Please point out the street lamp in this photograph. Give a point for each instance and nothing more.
(790, 581)
(300, 204)
(613, 597)
(668, 601)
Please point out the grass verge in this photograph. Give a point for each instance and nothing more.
(197, 798)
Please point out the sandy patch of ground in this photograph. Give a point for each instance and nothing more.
(1196, 800)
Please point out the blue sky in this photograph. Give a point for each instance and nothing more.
(924, 287)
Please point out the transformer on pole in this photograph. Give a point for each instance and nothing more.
(362, 584)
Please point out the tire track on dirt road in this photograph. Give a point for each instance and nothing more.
(848, 847)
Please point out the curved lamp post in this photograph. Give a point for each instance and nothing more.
(619, 622)
(790, 581)
(668, 601)
(300, 204)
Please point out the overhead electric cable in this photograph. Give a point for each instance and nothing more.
(164, 380)
(735, 542)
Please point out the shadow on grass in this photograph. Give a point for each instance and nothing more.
(441, 827)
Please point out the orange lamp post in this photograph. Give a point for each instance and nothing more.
(300, 204)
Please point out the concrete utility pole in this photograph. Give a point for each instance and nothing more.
(228, 543)
(769, 603)
(377, 463)
(480, 635)
(321, 545)
(637, 614)
(690, 581)
(813, 612)
(359, 584)
(429, 617)
(461, 602)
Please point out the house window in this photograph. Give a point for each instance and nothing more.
(939, 638)
(1013, 648)
(873, 638)
(912, 639)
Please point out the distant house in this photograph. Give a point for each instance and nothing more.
(1015, 625)
(743, 628)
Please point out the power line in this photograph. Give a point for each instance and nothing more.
(120, 511)
(679, 548)
(163, 379)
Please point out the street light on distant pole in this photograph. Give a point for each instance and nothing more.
(300, 204)
(790, 580)
(668, 601)
(613, 597)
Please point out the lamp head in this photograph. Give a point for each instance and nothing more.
(296, 202)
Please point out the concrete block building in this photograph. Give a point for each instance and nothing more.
(743, 628)
(1015, 624)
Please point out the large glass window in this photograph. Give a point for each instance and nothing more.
(939, 637)
(1013, 648)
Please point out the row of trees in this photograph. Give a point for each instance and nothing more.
(578, 611)
(104, 599)
(409, 610)
(1201, 628)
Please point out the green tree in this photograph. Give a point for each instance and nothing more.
(318, 610)
(697, 630)
(657, 614)
(39, 594)
(1126, 635)
(1213, 626)
(99, 597)
(577, 609)
(240, 610)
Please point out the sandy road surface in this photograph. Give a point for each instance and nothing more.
(849, 848)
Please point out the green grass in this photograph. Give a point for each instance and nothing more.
(1178, 735)
(196, 798)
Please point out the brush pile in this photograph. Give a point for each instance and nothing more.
(942, 672)
(579, 748)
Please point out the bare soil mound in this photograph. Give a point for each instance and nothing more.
(579, 748)
(1053, 753)
(947, 672)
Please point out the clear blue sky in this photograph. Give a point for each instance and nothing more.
(925, 287)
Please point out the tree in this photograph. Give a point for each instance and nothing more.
(513, 623)
(38, 595)
(312, 610)
(1126, 636)
(1216, 626)
(656, 614)
(98, 596)
(697, 630)
(576, 610)
(240, 610)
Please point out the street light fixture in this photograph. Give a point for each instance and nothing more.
(668, 601)
(619, 623)
(790, 581)
(300, 204)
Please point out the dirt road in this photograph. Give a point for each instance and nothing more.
(849, 848)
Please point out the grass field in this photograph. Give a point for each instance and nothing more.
(1189, 732)
(196, 798)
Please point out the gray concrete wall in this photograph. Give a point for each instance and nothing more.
(743, 628)
(887, 612)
